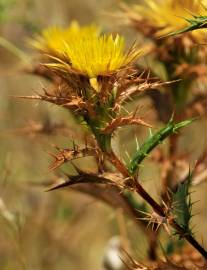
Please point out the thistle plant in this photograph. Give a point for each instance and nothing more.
(93, 73)
(94, 77)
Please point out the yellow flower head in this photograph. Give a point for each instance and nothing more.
(99, 55)
(83, 50)
(169, 15)
(53, 39)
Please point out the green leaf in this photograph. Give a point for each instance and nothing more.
(154, 141)
(182, 204)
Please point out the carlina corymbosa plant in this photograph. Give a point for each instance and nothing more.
(93, 76)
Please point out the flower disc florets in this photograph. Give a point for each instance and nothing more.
(52, 40)
(85, 51)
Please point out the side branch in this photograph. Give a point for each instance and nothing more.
(124, 121)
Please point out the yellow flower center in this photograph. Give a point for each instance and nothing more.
(98, 55)
(84, 50)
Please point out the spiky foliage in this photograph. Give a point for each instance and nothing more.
(154, 141)
(183, 204)
(194, 23)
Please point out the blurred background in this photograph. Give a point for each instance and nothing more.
(60, 229)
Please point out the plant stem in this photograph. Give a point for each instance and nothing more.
(129, 173)
(160, 211)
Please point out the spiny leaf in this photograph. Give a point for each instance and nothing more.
(183, 204)
(67, 155)
(123, 121)
(80, 179)
(154, 141)
(197, 22)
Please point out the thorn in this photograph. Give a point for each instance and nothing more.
(172, 117)
(137, 144)
(58, 186)
(28, 97)
(125, 110)
(51, 154)
(127, 154)
(150, 133)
